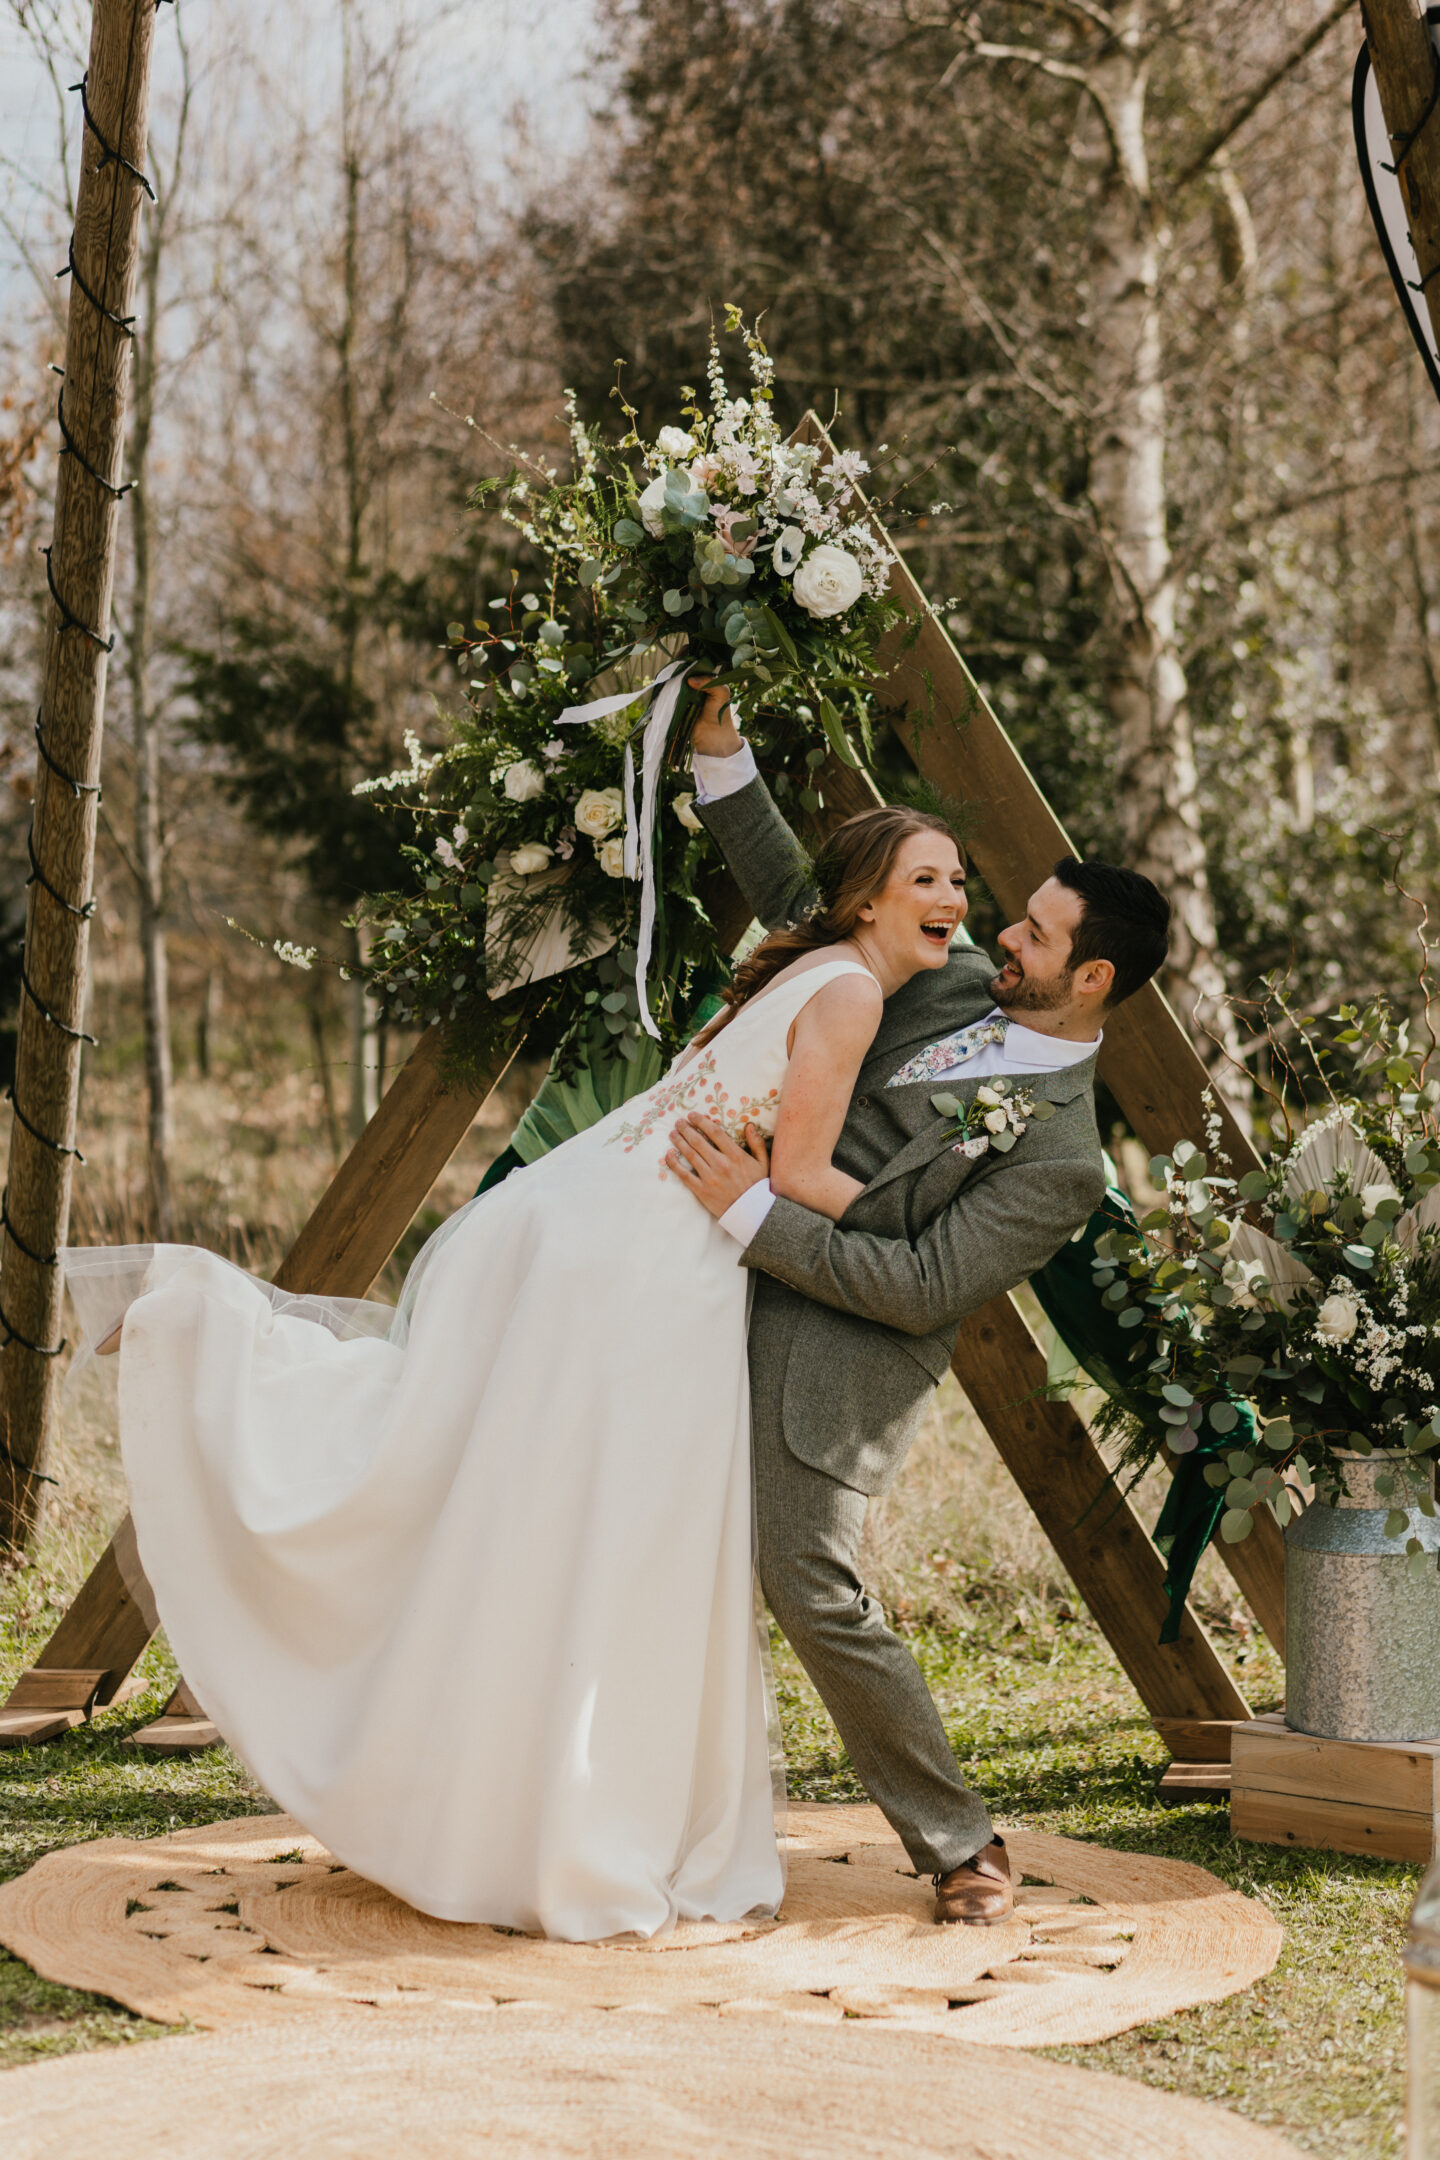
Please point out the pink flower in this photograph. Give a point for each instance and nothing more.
(724, 520)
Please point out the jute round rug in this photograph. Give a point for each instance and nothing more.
(450, 2084)
(252, 1922)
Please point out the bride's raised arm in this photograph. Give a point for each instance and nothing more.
(828, 1043)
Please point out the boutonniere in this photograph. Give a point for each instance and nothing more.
(1001, 1111)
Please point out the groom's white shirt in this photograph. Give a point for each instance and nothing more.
(1023, 1051)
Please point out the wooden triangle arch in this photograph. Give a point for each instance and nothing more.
(1149, 1064)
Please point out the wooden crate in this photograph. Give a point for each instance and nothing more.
(1355, 1796)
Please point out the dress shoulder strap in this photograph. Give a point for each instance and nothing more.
(801, 988)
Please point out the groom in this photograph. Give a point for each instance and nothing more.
(853, 1323)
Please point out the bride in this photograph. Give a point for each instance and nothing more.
(468, 1584)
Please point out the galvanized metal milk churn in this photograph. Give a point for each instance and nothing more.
(1362, 1659)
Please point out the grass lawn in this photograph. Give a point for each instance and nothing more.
(1036, 1706)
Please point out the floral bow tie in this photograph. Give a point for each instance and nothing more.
(954, 1050)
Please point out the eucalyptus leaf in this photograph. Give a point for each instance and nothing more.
(947, 1105)
(1223, 1416)
(1235, 1524)
(1043, 1111)
(1003, 1141)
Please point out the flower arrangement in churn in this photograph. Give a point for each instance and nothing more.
(1309, 1287)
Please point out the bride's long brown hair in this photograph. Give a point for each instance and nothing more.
(851, 868)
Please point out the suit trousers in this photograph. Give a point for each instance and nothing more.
(808, 1530)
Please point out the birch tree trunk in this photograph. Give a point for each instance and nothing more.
(82, 570)
(149, 862)
(1145, 682)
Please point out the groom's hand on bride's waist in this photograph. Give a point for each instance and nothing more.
(715, 1167)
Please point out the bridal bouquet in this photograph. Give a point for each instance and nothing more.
(719, 550)
(1310, 1287)
(753, 554)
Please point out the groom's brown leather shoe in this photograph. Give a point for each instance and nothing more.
(979, 1893)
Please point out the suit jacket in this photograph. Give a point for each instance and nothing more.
(934, 1235)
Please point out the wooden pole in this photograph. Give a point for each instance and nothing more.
(81, 564)
(1407, 77)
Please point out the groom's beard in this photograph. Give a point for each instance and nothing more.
(1025, 996)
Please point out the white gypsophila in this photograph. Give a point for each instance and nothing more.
(533, 856)
(828, 582)
(1336, 1320)
(652, 502)
(419, 768)
(599, 811)
(523, 780)
(612, 856)
(300, 956)
(789, 547)
(674, 442)
(683, 806)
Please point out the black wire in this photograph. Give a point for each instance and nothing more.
(38, 877)
(111, 156)
(56, 1146)
(72, 449)
(12, 1334)
(70, 620)
(40, 1259)
(122, 322)
(14, 1461)
(75, 1034)
(76, 787)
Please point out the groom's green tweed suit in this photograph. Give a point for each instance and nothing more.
(853, 1325)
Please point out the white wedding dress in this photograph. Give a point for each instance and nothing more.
(468, 1584)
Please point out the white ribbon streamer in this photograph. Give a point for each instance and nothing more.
(663, 696)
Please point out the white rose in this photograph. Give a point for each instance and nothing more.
(599, 811)
(1336, 1319)
(828, 581)
(986, 1095)
(1372, 1196)
(652, 502)
(533, 856)
(523, 781)
(612, 856)
(995, 1121)
(789, 547)
(683, 810)
(674, 442)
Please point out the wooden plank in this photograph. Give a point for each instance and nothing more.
(1331, 1826)
(32, 1728)
(1358, 1773)
(182, 1728)
(371, 1202)
(1187, 1677)
(1095, 1531)
(111, 1619)
(1196, 1740)
(53, 1688)
(1186, 1782)
(1147, 1060)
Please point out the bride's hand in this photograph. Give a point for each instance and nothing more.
(714, 733)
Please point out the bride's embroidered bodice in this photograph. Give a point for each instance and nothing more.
(735, 1080)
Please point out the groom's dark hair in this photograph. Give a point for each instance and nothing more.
(1126, 921)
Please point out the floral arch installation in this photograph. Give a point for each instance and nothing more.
(948, 729)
